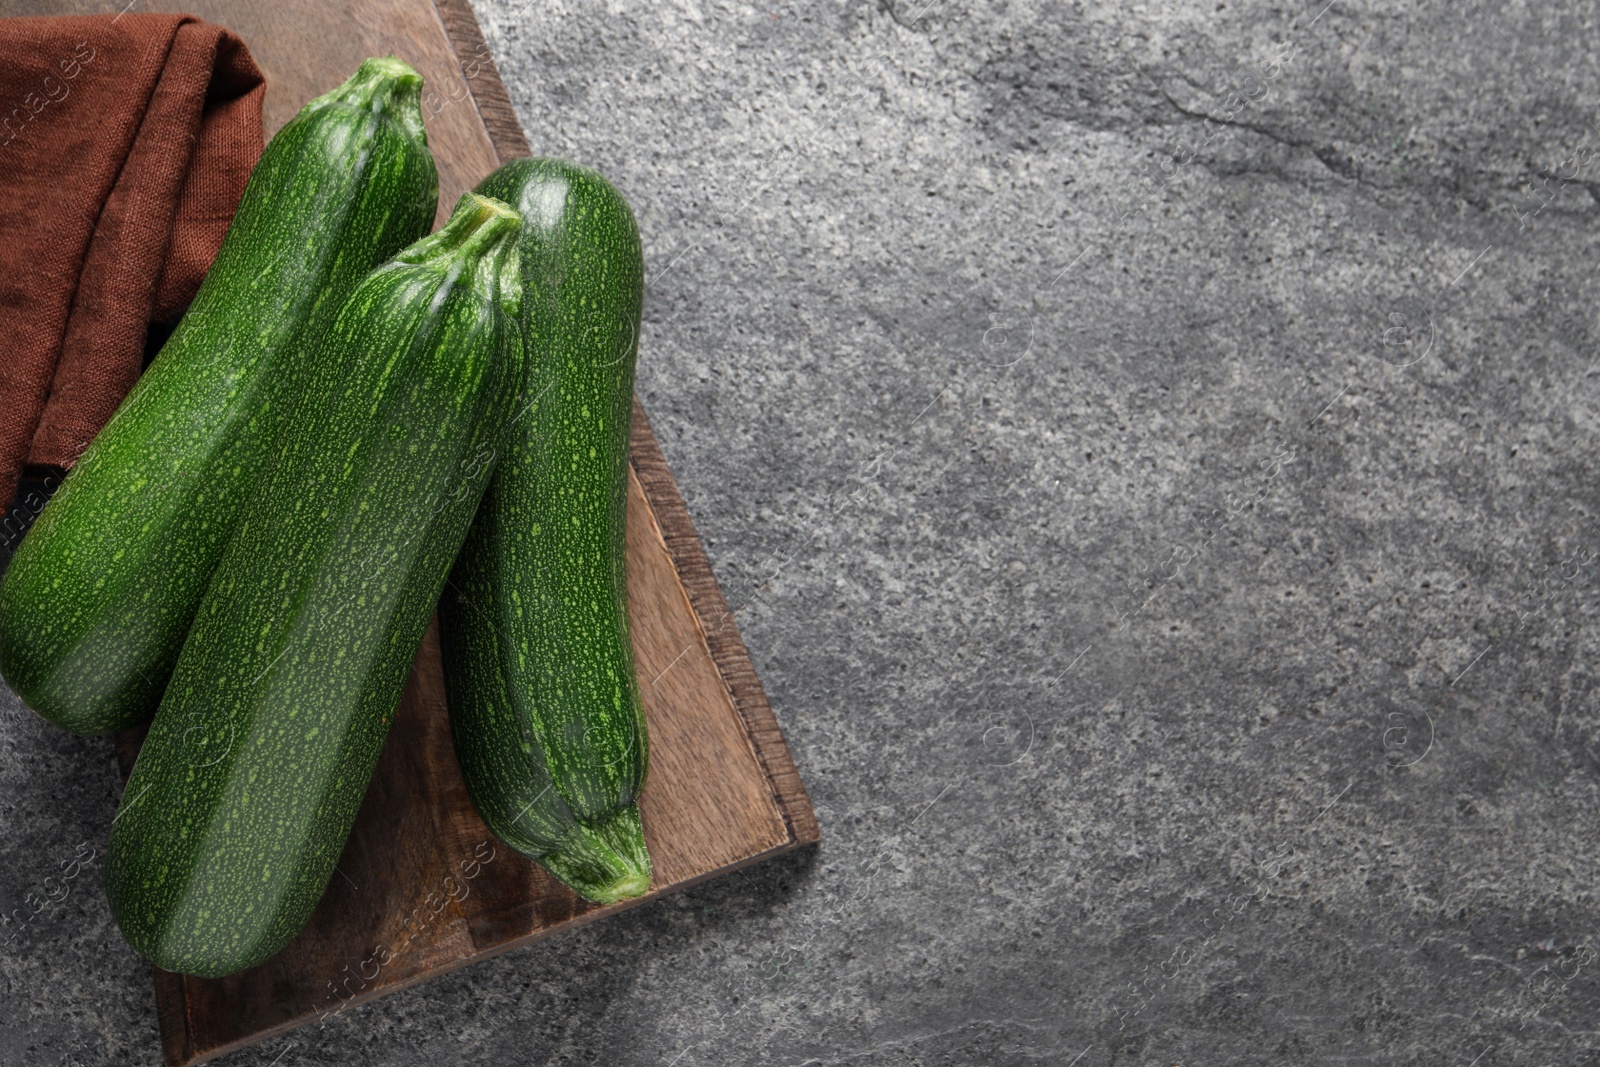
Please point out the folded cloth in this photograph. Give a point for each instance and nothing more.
(125, 145)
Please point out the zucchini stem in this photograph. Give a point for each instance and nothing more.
(474, 228)
(605, 862)
(475, 222)
(384, 85)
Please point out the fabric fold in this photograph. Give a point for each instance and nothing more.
(124, 156)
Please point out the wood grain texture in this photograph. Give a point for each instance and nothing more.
(423, 887)
(718, 630)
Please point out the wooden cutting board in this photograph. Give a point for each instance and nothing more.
(423, 887)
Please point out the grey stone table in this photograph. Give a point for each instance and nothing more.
(1152, 449)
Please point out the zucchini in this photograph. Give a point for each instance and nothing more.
(544, 705)
(257, 759)
(96, 602)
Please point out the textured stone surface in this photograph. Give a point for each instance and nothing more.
(1170, 546)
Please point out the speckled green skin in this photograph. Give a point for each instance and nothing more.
(258, 757)
(96, 602)
(544, 706)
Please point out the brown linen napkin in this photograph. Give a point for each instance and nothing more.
(125, 145)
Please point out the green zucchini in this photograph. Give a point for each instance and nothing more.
(544, 705)
(257, 759)
(94, 607)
